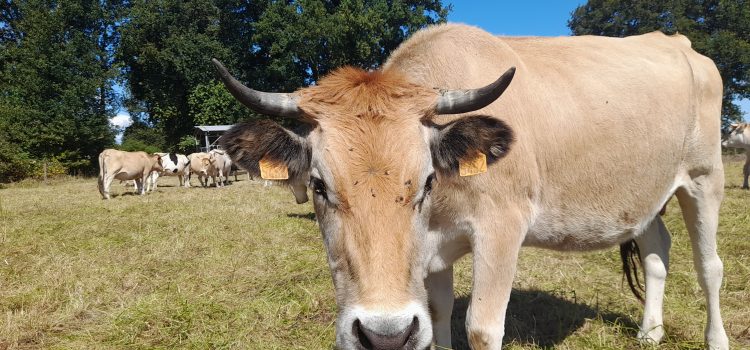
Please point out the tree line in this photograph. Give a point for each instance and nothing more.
(61, 61)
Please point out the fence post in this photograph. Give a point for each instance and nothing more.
(45, 171)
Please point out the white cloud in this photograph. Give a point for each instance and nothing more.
(122, 120)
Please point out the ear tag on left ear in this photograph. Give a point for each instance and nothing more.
(273, 170)
(472, 165)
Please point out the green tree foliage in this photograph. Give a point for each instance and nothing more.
(166, 46)
(304, 40)
(55, 79)
(140, 136)
(15, 164)
(211, 104)
(188, 144)
(271, 45)
(59, 61)
(719, 29)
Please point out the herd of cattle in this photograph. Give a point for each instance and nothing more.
(144, 169)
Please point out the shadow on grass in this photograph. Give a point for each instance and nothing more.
(540, 318)
(123, 194)
(308, 216)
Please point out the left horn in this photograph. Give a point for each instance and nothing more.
(271, 103)
(462, 101)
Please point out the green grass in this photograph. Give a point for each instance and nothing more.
(243, 267)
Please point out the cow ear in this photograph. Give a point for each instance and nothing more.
(463, 138)
(249, 142)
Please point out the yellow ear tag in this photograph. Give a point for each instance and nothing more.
(472, 165)
(273, 170)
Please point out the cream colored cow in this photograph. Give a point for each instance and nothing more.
(121, 165)
(584, 148)
(199, 165)
(739, 137)
(220, 167)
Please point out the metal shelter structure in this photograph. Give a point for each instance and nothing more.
(208, 136)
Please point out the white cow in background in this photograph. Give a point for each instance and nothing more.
(220, 166)
(739, 137)
(174, 165)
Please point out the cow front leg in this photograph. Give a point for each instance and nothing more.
(139, 188)
(440, 291)
(653, 246)
(494, 261)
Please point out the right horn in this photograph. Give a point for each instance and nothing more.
(462, 101)
(270, 103)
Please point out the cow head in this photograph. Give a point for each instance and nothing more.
(738, 137)
(205, 164)
(169, 162)
(156, 161)
(371, 155)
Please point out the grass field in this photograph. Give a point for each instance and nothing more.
(243, 267)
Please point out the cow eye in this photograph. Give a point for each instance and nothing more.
(428, 184)
(318, 187)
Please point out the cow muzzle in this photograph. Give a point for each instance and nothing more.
(407, 329)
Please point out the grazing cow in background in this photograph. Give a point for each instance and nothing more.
(739, 137)
(199, 165)
(121, 165)
(419, 163)
(221, 166)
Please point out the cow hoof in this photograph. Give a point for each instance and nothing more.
(652, 336)
(717, 340)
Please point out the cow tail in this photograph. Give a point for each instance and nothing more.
(102, 167)
(102, 172)
(631, 258)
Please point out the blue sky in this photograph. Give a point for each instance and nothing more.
(530, 17)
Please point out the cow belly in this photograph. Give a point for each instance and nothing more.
(128, 175)
(585, 232)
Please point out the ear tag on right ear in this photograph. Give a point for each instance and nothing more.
(273, 170)
(472, 165)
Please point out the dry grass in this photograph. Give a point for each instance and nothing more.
(243, 268)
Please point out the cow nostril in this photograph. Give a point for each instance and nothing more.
(363, 340)
(174, 171)
(371, 340)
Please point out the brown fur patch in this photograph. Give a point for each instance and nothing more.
(370, 128)
(365, 94)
